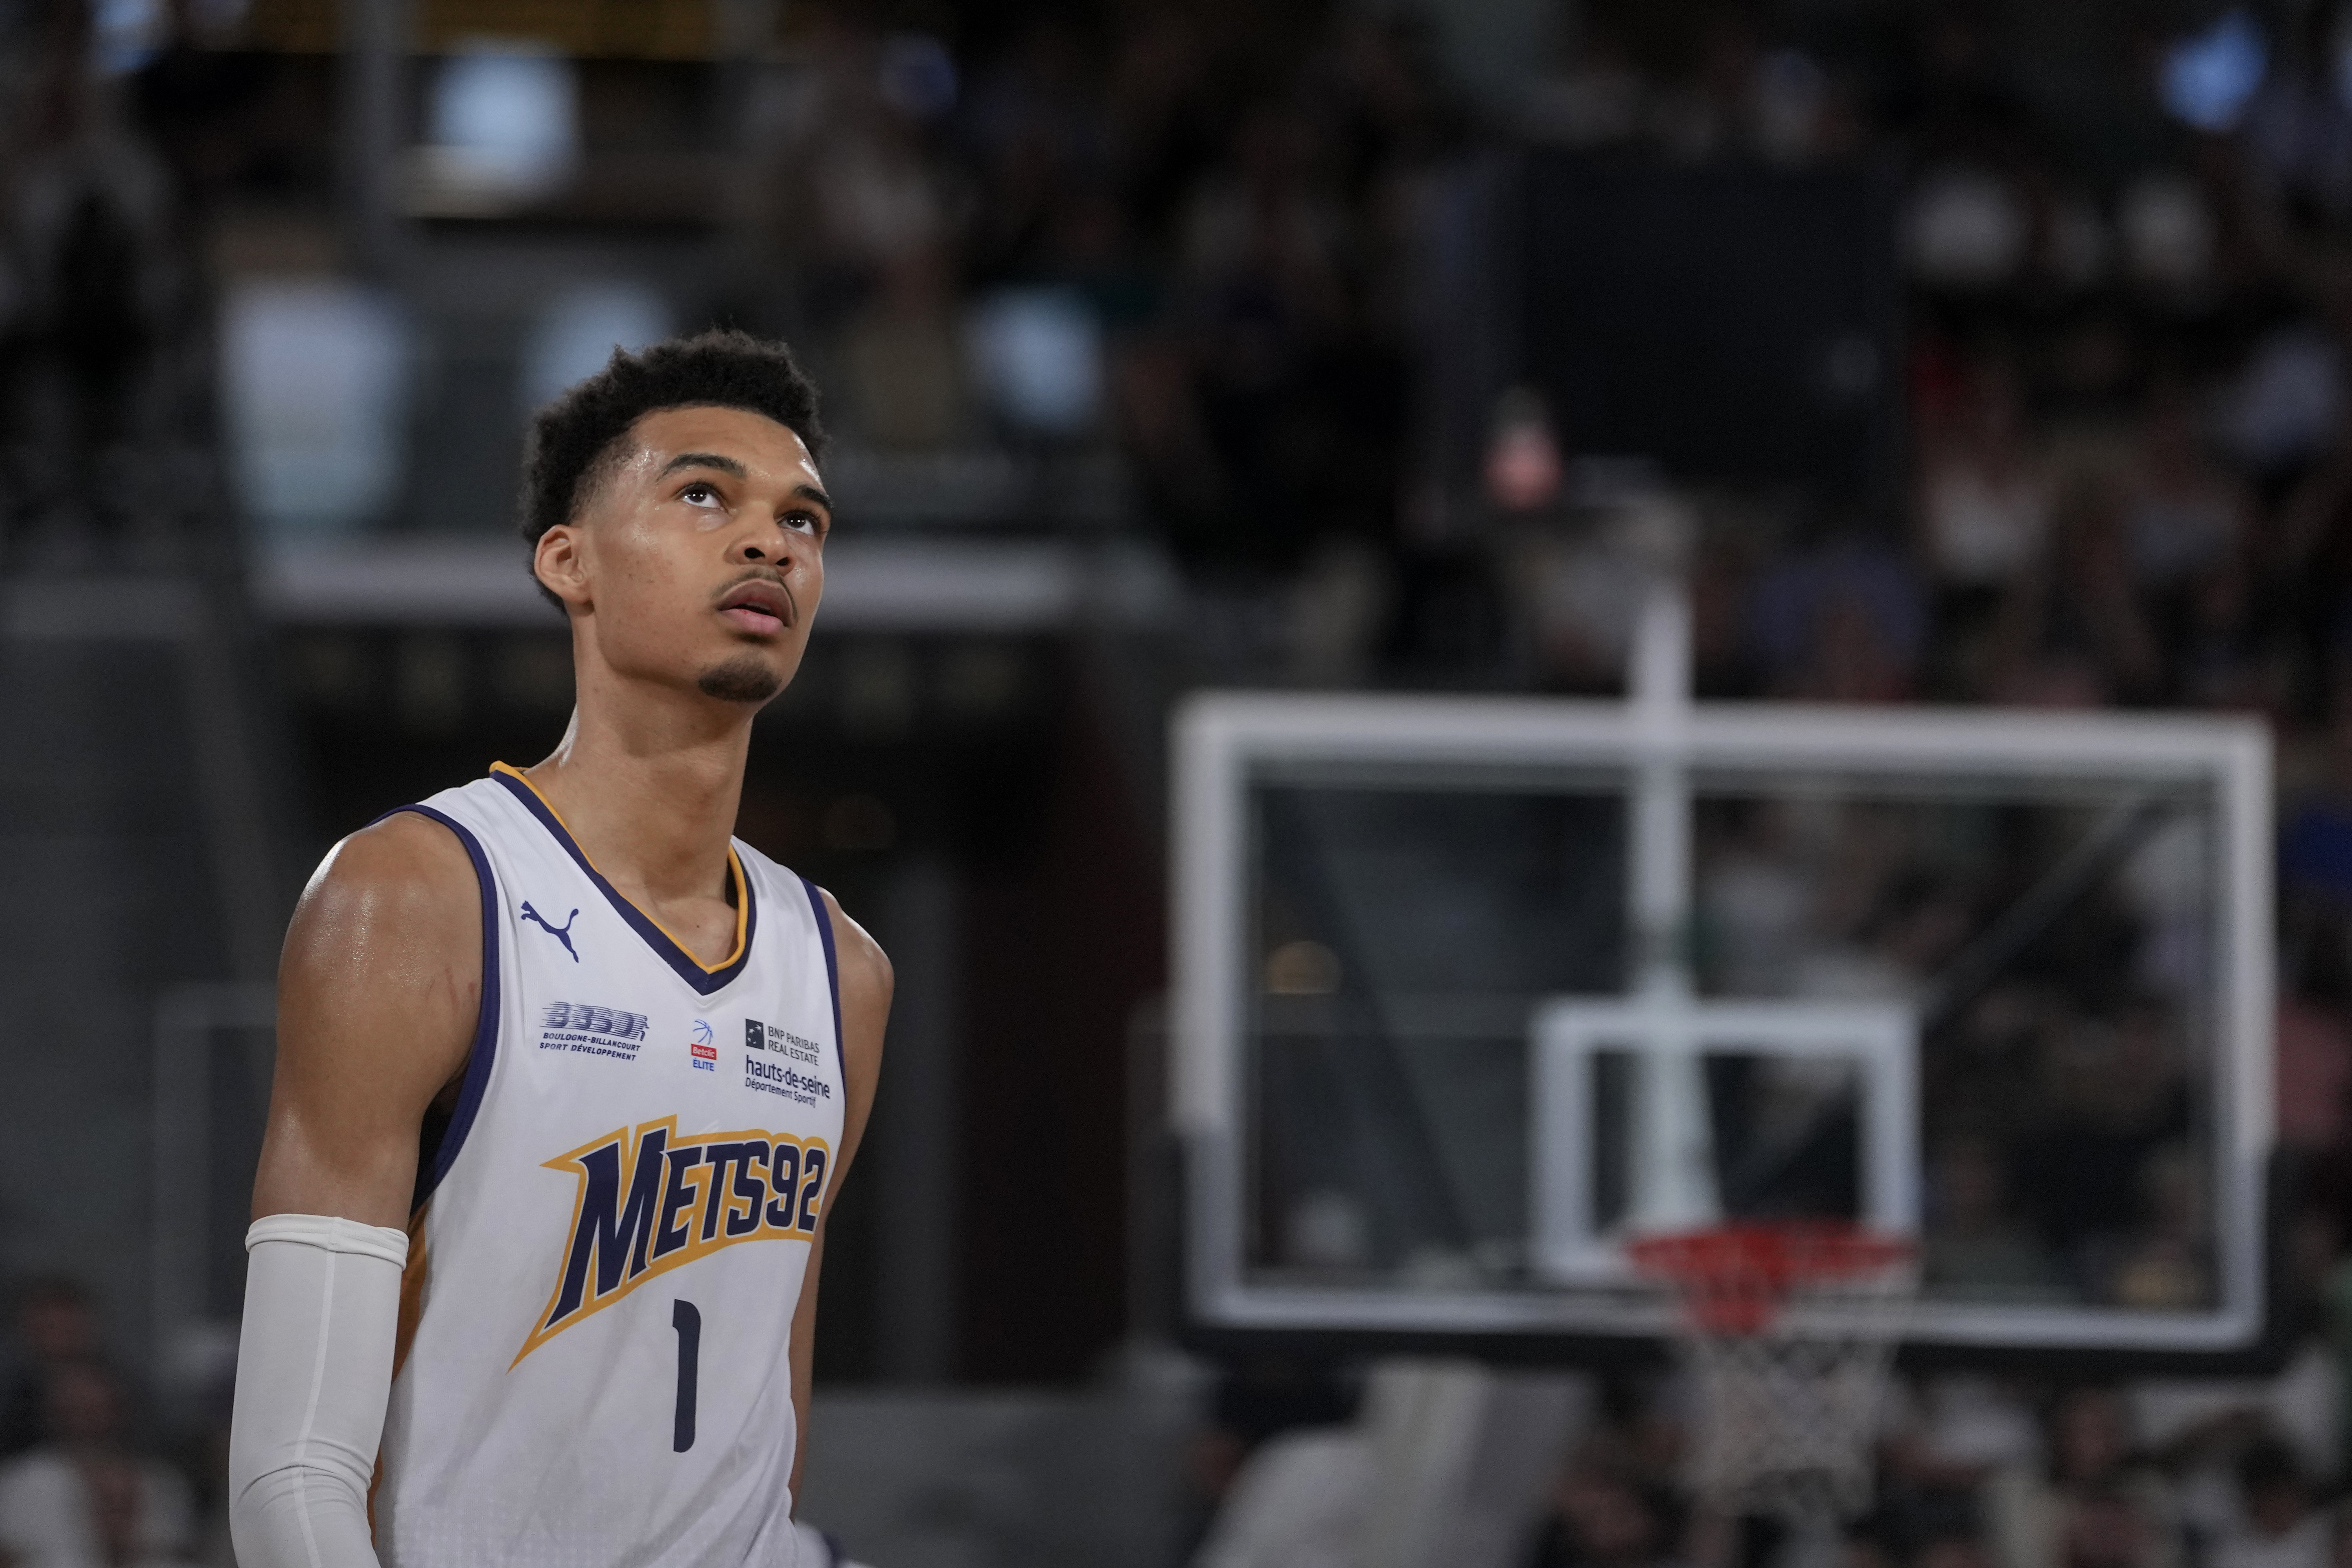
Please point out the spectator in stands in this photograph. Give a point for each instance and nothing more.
(2167, 1266)
(1951, 1549)
(2073, 633)
(1950, 1434)
(2228, 656)
(2096, 1507)
(1256, 1400)
(2314, 1032)
(2280, 1525)
(2184, 513)
(1842, 623)
(1035, 134)
(99, 299)
(2316, 838)
(56, 1326)
(857, 186)
(1984, 500)
(1597, 98)
(85, 1498)
(2088, 1172)
(902, 374)
(1603, 1517)
(1978, 1248)
(1267, 251)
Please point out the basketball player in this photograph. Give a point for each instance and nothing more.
(567, 1078)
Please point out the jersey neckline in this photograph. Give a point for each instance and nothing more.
(706, 978)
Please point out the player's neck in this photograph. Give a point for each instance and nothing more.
(650, 790)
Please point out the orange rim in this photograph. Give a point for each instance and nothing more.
(1734, 1277)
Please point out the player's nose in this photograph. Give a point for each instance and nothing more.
(762, 544)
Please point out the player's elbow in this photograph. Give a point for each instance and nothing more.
(293, 1515)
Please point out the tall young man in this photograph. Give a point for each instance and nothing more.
(567, 1078)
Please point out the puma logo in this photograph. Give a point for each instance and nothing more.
(562, 933)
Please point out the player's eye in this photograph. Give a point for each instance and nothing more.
(700, 494)
(803, 521)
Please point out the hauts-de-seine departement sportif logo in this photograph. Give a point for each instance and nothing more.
(704, 1046)
(782, 1077)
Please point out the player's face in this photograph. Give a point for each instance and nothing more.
(700, 558)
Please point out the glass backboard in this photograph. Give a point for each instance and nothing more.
(1998, 981)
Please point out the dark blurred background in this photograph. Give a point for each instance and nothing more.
(1978, 351)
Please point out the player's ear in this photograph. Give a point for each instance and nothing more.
(557, 563)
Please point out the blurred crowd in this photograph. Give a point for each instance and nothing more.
(1971, 1470)
(1190, 231)
(1200, 236)
(2124, 377)
(1981, 1472)
(90, 1476)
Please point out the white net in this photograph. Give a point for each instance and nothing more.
(1785, 1421)
(1787, 1348)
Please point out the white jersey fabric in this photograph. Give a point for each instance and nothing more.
(611, 1229)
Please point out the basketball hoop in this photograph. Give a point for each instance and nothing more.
(1789, 1331)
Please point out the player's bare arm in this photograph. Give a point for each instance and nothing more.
(865, 986)
(379, 989)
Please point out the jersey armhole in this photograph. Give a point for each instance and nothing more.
(832, 975)
(438, 1145)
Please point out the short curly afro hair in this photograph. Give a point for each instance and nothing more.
(720, 369)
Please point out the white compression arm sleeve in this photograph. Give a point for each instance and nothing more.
(313, 1374)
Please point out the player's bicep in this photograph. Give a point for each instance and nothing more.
(867, 983)
(378, 994)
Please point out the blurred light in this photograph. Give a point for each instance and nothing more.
(1302, 969)
(2166, 231)
(576, 331)
(504, 114)
(315, 389)
(2286, 401)
(1790, 90)
(2078, 242)
(2341, 50)
(1965, 229)
(1849, 368)
(1038, 354)
(2210, 76)
(1328, 1229)
(1523, 465)
(126, 34)
(918, 76)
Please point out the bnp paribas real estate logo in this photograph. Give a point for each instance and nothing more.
(760, 1036)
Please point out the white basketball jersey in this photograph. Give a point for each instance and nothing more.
(612, 1230)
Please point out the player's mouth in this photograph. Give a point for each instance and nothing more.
(760, 607)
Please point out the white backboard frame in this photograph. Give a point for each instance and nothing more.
(1881, 1039)
(1221, 740)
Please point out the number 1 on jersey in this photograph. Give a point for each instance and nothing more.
(688, 1321)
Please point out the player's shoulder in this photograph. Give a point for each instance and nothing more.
(864, 965)
(401, 848)
(405, 869)
(866, 977)
(859, 954)
(866, 985)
